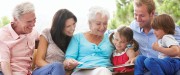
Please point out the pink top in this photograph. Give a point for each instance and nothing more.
(19, 51)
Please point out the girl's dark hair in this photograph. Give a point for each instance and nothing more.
(128, 34)
(164, 22)
(58, 26)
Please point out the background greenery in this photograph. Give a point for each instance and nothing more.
(4, 21)
(124, 12)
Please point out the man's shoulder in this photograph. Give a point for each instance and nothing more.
(4, 31)
(177, 29)
(134, 25)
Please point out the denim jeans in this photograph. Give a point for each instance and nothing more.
(156, 66)
(55, 68)
(1, 73)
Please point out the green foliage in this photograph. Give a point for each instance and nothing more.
(4, 21)
(172, 8)
(124, 12)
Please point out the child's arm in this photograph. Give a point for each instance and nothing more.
(172, 51)
(132, 55)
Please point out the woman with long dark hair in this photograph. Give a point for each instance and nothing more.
(53, 44)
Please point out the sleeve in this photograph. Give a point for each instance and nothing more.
(4, 52)
(46, 33)
(177, 34)
(73, 48)
(169, 40)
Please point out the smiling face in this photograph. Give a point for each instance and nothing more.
(119, 42)
(70, 25)
(142, 16)
(25, 23)
(99, 25)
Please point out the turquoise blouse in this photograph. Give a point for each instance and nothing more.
(89, 53)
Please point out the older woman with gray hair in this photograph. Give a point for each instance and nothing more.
(91, 49)
(19, 37)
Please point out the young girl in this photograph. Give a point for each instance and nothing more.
(168, 61)
(125, 46)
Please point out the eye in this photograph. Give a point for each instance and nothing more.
(98, 23)
(105, 23)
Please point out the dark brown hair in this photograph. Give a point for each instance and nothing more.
(164, 22)
(57, 28)
(128, 34)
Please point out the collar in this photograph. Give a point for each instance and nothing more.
(12, 32)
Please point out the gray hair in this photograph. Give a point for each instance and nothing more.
(22, 9)
(93, 11)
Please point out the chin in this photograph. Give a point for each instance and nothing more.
(69, 34)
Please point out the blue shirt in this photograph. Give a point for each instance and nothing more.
(89, 53)
(145, 40)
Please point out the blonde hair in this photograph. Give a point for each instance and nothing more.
(149, 3)
(22, 9)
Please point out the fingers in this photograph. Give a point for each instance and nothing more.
(70, 64)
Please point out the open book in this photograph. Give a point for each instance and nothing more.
(122, 65)
(112, 67)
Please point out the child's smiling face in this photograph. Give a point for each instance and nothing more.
(119, 41)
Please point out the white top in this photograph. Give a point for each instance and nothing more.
(54, 53)
(166, 42)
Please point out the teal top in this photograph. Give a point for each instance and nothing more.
(89, 53)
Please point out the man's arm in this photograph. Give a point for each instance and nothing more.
(5, 59)
(6, 68)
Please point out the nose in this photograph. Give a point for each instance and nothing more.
(73, 27)
(102, 27)
(33, 23)
(138, 18)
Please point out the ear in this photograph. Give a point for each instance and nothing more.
(152, 13)
(15, 19)
(90, 24)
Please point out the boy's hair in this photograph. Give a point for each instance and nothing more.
(128, 34)
(164, 22)
(149, 3)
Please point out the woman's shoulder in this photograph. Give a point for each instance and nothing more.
(46, 30)
(80, 34)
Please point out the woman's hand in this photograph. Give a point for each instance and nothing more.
(70, 64)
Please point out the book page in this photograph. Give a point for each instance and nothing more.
(123, 65)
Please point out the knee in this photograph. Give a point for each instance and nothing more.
(149, 62)
(140, 59)
(58, 65)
